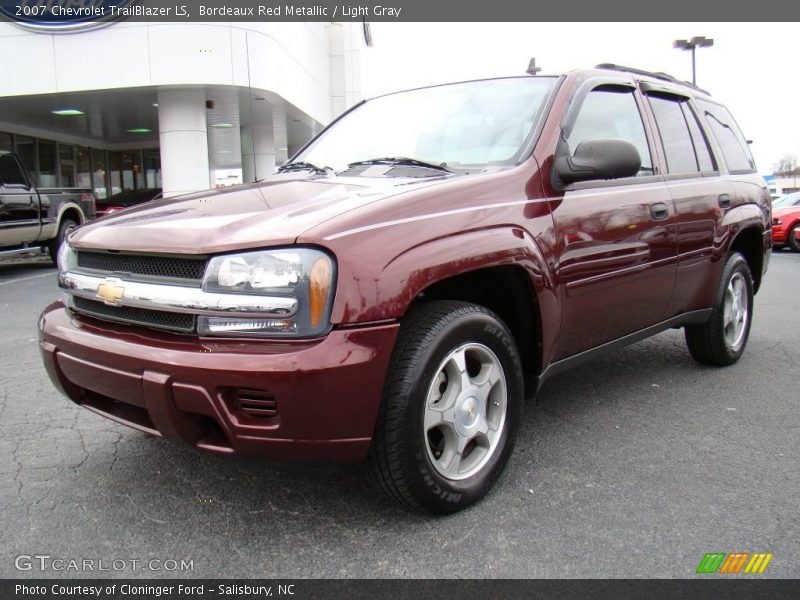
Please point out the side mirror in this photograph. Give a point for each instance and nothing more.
(598, 159)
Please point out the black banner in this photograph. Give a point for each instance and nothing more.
(59, 15)
(383, 589)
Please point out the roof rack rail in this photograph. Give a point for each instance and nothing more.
(657, 75)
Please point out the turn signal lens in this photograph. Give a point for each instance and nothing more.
(319, 286)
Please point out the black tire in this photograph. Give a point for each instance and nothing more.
(707, 342)
(399, 460)
(792, 242)
(66, 226)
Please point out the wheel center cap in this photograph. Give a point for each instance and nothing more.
(467, 414)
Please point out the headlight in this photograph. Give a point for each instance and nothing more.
(776, 221)
(66, 258)
(302, 273)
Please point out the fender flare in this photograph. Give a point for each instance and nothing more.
(67, 206)
(389, 292)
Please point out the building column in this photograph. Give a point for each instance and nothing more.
(258, 152)
(184, 141)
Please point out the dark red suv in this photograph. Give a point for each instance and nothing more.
(419, 268)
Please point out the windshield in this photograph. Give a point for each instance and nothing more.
(472, 124)
(789, 200)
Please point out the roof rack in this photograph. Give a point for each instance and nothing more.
(656, 75)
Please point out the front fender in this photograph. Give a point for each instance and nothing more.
(388, 294)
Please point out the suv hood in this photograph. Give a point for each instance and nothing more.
(269, 213)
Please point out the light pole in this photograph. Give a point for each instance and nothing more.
(696, 42)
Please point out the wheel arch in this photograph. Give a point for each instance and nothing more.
(749, 242)
(501, 269)
(70, 211)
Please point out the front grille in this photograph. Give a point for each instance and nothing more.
(140, 316)
(139, 264)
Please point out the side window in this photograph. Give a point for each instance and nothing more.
(685, 147)
(675, 136)
(731, 141)
(611, 113)
(704, 158)
(10, 173)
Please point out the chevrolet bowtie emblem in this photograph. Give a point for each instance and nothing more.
(111, 292)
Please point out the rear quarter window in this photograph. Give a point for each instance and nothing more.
(732, 143)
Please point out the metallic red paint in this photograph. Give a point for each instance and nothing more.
(176, 386)
(595, 279)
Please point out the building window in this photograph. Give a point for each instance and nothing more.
(26, 150)
(6, 144)
(152, 168)
(114, 173)
(99, 173)
(47, 164)
(66, 166)
(83, 167)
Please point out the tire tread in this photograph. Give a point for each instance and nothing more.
(420, 327)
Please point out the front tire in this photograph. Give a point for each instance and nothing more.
(722, 340)
(451, 407)
(64, 229)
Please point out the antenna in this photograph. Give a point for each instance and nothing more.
(532, 68)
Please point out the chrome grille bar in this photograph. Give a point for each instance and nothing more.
(117, 292)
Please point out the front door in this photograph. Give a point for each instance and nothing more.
(616, 239)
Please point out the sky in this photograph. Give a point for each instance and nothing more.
(752, 67)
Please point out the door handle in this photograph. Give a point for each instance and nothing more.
(659, 211)
(724, 201)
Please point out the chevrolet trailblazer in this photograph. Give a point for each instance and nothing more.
(398, 288)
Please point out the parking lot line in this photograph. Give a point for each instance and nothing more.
(27, 278)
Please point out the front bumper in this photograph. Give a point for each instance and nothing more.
(779, 234)
(325, 392)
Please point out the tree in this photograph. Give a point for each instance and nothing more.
(786, 166)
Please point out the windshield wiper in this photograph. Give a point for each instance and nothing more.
(304, 166)
(402, 160)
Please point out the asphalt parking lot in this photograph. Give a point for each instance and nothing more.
(634, 465)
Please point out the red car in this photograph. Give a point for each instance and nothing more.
(786, 222)
(117, 202)
(395, 292)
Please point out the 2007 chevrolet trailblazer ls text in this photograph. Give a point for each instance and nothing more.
(394, 292)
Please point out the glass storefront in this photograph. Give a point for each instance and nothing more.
(152, 168)
(99, 173)
(26, 150)
(107, 172)
(66, 166)
(83, 167)
(47, 164)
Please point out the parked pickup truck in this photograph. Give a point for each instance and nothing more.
(394, 292)
(32, 219)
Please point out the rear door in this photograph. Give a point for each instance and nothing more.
(700, 192)
(19, 204)
(616, 245)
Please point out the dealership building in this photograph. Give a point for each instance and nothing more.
(178, 106)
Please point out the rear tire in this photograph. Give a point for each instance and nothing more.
(791, 239)
(64, 229)
(451, 408)
(722, 340)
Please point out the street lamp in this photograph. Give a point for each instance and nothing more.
(696, 42)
